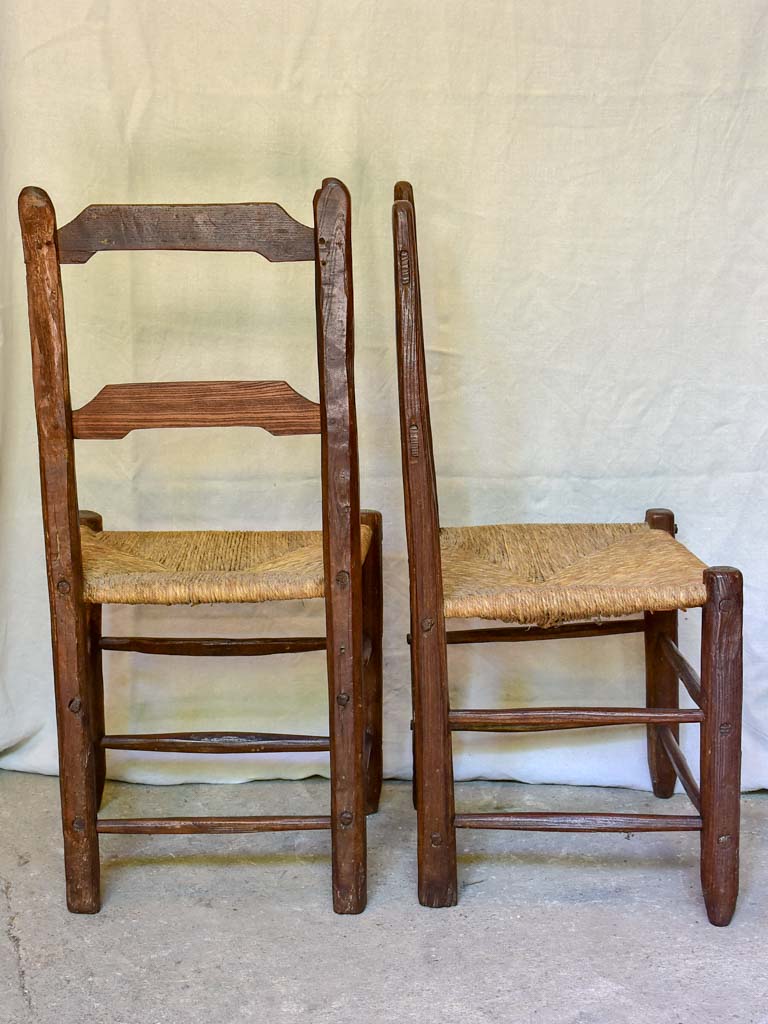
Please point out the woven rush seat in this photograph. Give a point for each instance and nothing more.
(544, 574)
(201, 567)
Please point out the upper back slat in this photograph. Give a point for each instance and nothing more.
(264, 228)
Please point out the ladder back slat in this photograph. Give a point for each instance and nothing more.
(264, 228)
(271, 404)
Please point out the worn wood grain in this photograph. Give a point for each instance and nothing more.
(215, 826)
(69, 624)
(373, 659)
(263, 228)
(433, 766)
(271, 404)
(521, 634)
(96, 676)
(661, 685)
(531, 821)
(217, 742)
(721, 680)
(341, 543)
(543, 719)
(213, 647)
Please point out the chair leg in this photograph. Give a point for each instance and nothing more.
(662, 688)
(347, 732)
(721, 678)
(77, 771)
(96, 691)
(373, 624)
(433, 777)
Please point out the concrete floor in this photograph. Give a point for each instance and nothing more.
(567, 929)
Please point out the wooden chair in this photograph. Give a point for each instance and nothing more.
(89, 567)
(560, 581)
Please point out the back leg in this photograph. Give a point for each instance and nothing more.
(373, 623)
(661, 684)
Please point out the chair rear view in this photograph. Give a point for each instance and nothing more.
(88, 566)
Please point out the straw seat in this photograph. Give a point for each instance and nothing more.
(200, 567)
(545, 574)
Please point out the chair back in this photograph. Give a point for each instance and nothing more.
(263, 228)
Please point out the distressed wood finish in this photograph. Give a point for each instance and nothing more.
(661, 686)
(213, 647)
(211, 826)
(271, 404)
(432, 738)
(341, 543)
(717, 695)
(530, 821)
(543, 719)
(217, 742)
(69, 623)
(721, 679)
(353, 595)
(683, 670)
(96, 678)
(263, 228)
(373, 660)
(521, 634)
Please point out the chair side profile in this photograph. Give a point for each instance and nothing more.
(88, 566)
(560, 581)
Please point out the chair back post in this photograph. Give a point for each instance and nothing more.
(341, 538)
(62, 540)
(429, 659)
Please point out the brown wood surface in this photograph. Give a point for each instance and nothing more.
(682, 768)
(683, 670)
(69, 623)
(373, 660)
(213, 647)
(217, 742)
(96, 678)
(531, 821)
(520, 634)
(661, 685)
(432, 739)
(721, 680)
(341, 543)
(264, 228)
(543, 719)
(271, 404)
(204, 826)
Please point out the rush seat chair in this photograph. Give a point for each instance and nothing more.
(89, 567)
(560, 582)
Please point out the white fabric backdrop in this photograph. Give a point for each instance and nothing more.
(590, 178)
